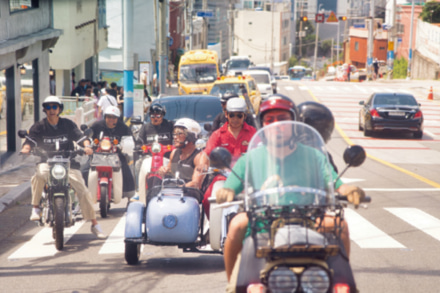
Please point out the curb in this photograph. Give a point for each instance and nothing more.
(16, 194)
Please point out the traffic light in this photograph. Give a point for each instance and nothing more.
(343, 18)
(304, 18)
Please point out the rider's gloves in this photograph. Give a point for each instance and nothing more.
(355, 195)
(224, 194)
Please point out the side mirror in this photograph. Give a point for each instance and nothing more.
(83, 127)
(220, 158)
(207, 127)
(22, 133)
(88, 132)
(354, 155)
(136, 120)
(361, 103)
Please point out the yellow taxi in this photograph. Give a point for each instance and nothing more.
(234, 84)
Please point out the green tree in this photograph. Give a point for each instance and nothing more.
(400, 68)
(431, 12)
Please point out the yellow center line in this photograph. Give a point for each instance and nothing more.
(3, 132)
(395, 167)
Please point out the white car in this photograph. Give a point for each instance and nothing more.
(263, 81)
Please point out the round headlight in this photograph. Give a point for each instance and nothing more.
(105, 145)
(315, 279)
(58, 172)
(282, 280)
(155, 148)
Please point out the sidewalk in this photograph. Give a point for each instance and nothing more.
(15, 184)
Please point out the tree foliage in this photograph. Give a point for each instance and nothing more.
(431, 12)
(400, 68)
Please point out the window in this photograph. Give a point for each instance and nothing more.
(248, 4)
(284, 41)
(356, 46)
(18, 5)
(102, 14)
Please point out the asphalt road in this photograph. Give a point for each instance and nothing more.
(394, 239)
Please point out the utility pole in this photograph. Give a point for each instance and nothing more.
(408, 73)
(272, 41)
(300, 31)
(128, 57)
(391, 42)
(316, 50)
(163, 62)
(370, 44)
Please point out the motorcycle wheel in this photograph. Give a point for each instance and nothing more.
(103, 205)
(59, 222)
(132, 253)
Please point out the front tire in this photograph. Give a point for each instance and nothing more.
(132, 253)
(367, 132)
(418, 134)
(103, 201)
(58, 227)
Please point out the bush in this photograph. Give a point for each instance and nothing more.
(400, 68)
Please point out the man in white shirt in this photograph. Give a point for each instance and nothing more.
(106, 100)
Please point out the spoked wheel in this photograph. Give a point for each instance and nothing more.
(132, 253)
(104, 205)
(58, 228)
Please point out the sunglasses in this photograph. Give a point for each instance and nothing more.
(178, 134)
(239, 115)
(48, 107)
(157, 116)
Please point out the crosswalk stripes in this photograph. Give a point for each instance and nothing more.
(347, 89)
(362, 232)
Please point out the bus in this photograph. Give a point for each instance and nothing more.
(298, 72)
(197, 72)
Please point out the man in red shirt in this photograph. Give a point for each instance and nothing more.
(234, 135)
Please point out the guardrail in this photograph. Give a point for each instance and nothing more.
(79, 109)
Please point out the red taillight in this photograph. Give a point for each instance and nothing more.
(418, 114)
(341, 288)
(374, 113)
(256, 288)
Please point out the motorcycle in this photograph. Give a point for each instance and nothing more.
(149, 172)
(56, 201)
(105, 175)
(288, 192)
(173, 216)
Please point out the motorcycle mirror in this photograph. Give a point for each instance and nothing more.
(354, 155)
(220, 158)
(83, 127)
(136, 120)
(207, 127)
(88, 132)
(22, 133)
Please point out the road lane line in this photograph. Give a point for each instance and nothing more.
(289, 88)
(418, 219)
(115, 241)
(366, 235)
(42, 244)
(402, 189)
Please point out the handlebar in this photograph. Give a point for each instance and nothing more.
(367, 199)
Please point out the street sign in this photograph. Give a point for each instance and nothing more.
(319, 17)
(171, 41)
(206, 13)
(332, 17)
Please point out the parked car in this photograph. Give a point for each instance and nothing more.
(391, 112)
(273, 81)
(201, 108)
(262, 78)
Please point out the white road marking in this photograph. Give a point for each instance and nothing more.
(351, 180)
(429, 133)
(419, 219)
(303, 88)
(402, 189)
(115, 241)
(289, 88)
(366, 235)
(42, 244)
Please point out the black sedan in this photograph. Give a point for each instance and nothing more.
(391, 112)
(201, 108)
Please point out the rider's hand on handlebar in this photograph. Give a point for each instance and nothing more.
(224, 195)
(88, 150)
(25, 149)
(163, 170)
(355, 195)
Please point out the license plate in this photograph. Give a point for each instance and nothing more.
(399, 114)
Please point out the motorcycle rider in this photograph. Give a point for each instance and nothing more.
(276, 108)
(64, 131)
(114, 128)
(186, 156)
(221, 119)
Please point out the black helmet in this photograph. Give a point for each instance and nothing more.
(158, 109)
(228, 95)
(319, 117)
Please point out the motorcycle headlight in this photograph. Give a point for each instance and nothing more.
(155, 148)
(58, 172)
(282, 279)
(315, 279)
(105, 145)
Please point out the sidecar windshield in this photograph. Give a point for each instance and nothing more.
(287, 164)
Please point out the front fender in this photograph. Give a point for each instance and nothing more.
(133, 222)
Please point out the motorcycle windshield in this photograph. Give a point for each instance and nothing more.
(287, 164)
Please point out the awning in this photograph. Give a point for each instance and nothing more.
(51, 35)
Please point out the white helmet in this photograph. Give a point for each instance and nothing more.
(192, 127)
(112, 110)
(236, 105)
(53, 100)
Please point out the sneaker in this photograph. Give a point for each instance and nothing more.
(35, 215)
(98, 231)
(135, 197)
